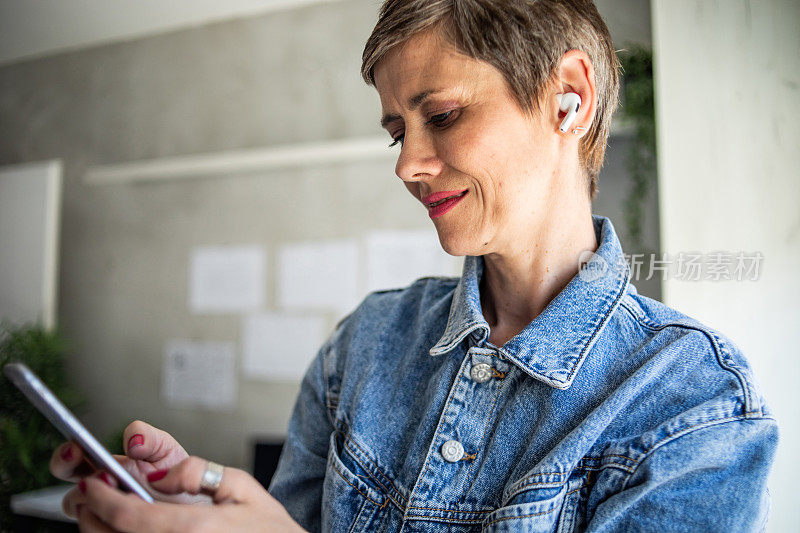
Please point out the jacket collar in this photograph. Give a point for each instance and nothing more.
(553, 346)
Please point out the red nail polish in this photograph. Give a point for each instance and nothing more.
(82, 486)
(158, 474)
(136, 440)
(105, 477)
(66, 453)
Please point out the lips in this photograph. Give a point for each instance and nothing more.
(440, 203)
(439, 197)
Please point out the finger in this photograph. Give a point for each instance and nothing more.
(132, 466)
(112, 482)
(147, 443)
(69, 463)
(89, 522)
(236, 485)
(77, 495)
(121, 511)
(140, 470)
(126, 512)
(107, 478)
(71, 500)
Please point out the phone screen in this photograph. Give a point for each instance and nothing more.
(57, 413)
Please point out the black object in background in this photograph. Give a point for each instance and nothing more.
(265, 460)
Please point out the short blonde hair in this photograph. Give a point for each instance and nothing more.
(524, 39)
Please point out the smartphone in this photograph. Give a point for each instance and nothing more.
(69, 426)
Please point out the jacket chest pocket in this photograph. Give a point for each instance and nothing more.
(547, 510)
(350, 500)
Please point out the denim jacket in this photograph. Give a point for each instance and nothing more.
(609, 412)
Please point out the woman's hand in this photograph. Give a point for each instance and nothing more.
(147, 449)
(240, 504)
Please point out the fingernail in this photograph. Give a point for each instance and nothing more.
(66, 453)
(136, 440)
(82, 486)
(155, 476)
(104, 476)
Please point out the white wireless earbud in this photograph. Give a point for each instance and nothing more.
(569, 103)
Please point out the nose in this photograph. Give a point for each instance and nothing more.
(418, 158)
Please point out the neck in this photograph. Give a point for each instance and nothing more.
(519, 283)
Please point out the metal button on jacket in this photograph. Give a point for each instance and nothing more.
(346, 389)
(481, 372)
(452, 451)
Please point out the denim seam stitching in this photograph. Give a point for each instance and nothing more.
(615, 455)
(349, 440)
(617, 300)
(712, 337)
(443, 519)
(582, 464)
(555, 484)
(643, 319)
(442, 509)
(450, 395)
(483, 437)
(358, 517)
(331, 403)
(612, 464)
(632, 311)
(378, 471)
(372, 478)
(531, 514)
(596, 464)
(514, 490)
(459, 336)
(724, 358)
(381, 505)
(680, 433)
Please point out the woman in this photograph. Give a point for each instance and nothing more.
(532, 394)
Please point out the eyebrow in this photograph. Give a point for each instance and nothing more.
(413, 103)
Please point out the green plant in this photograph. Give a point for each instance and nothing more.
(638, 107)
(27, 439)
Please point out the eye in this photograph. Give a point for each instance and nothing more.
(442, 120)
(398, 140)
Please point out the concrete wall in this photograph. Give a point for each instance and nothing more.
(280, 78)
(727, 80)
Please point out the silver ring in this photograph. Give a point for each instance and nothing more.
(212, 477)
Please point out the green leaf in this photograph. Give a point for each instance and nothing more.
(638, 107)
(27, 439)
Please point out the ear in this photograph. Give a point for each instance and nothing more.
(576, 75)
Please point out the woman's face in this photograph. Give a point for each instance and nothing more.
(465, 140)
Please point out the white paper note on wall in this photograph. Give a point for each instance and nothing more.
(279, 346)
(318, 275)
(199, 374)
(227, 279)
(397, 258)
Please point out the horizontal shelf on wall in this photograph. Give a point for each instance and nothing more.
(233, 162)
(236, 162)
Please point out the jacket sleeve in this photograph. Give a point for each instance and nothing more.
(297, 483)
(707, 479)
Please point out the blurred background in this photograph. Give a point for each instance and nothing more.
(192, 194)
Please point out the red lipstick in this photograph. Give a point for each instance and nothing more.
(441, 202)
